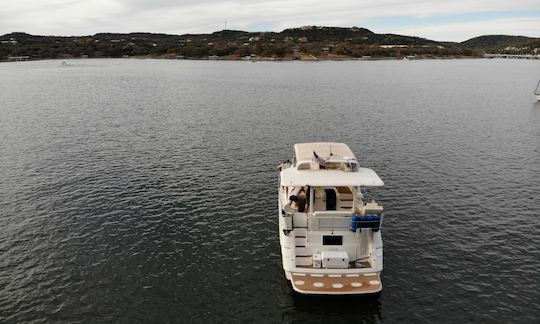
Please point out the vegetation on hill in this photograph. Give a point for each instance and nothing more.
(308, 42)
(496, 43)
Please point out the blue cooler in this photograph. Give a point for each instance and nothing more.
(354, 223)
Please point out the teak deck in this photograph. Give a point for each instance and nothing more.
(336, 283)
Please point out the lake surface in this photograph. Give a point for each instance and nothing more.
(144, 191)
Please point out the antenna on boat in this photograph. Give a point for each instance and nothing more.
(330, 149)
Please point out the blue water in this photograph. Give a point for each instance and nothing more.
(139, 191)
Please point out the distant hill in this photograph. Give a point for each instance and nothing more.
(308, 42)
(312, 33)
(500, 42)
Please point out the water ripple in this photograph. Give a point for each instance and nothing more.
(144, 191)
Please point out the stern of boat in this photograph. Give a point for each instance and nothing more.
(336, 284)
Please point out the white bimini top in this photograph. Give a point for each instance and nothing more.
(335, 178)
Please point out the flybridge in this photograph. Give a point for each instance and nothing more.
(304, 151)
(324, 156)
(327, 164)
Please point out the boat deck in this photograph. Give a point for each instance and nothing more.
(364, 264)
(336, 283)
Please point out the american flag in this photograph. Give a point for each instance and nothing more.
(319, 159)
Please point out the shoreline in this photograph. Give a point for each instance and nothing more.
(252, 59)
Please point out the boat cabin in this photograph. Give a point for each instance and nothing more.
(325, 177)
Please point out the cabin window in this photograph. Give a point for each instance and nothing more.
(332, 240)
(330, 199)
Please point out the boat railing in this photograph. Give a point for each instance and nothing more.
(331, 214)
(370, 221)
(338, 220)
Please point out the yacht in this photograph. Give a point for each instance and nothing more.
(537, 91)
(330, 235)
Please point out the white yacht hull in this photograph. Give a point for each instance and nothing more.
(331, 242)
(298, 267)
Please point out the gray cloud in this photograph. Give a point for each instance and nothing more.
(68, 17)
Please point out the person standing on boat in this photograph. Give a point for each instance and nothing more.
(284, 165)
(299, 200)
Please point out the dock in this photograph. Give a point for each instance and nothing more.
(513, 56)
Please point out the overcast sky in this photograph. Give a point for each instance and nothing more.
(440, 20)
